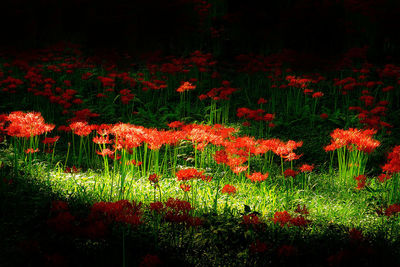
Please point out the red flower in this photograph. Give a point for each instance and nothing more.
(290, 172)
(324, 116)
(299, 221)
(188, 174)
(186, 86)
(282, 217)
(306, 168)
(361, 180)
(261, 101)
(185, 187)
(153, 178)
(392, 210)
(81, 128)
(106, 152)
(301, 209)
(257, 176)
(317, 95)
(31, 150)
(176, 124)
(50, 140)
(221, 157)
(27, 124)
(229, 189)
(384, 177)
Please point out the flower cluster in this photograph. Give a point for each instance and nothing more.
(27, 124)
(257, 176)
(393, 161)
(284, 218)
(353, 139)
(229, 189)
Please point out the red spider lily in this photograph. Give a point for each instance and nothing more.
(306, 168)
(31, 150)
(176, 124)
(186, 86)
(27, 124)
(185, 187)
(86, 76)
(101, 140)
(282, 217)
(221, 93)
(283, 149)
(178, 205)
(229, 189)
(301, 209)
(177, 211)
(384, 177)
(392, 210)
(290, 173)
(81, 128)
(393, 161)
(50, 140)
(360, 139)
(261, 101)
(239, 169)
(268, 117)
(299, 221)
(101, 95)
(134, 162)
(83, 115)
(361, 180)
(105, 152)
(188, 174)
(257, 176)
(77, 101)
(324, 116)
(126, 96)
(153, 178)
(221, 157)
(291, 156)
(72, 170)
(317, 95)
(106, 81)
(308, 91)
(387, 89)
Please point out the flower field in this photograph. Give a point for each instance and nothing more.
(175, 161)
(201, 157)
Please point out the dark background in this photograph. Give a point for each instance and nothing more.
(322, 28)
